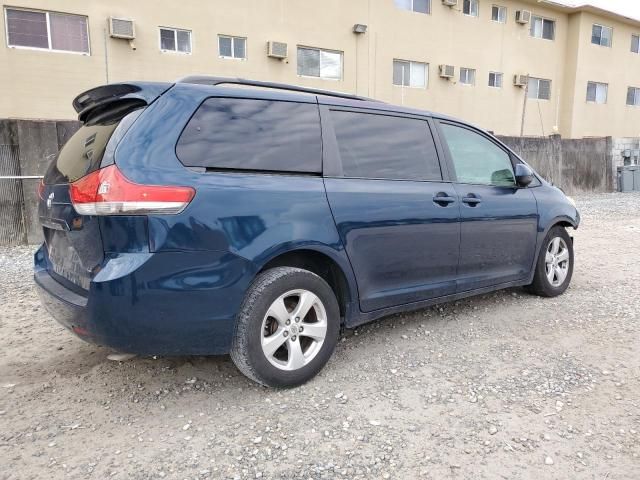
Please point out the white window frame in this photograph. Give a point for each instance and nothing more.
(635, 35)
(537, 97)
(425, 65)
(415, 11)
(468, 70)
(233, 41)
(636, 97)
(501, 9)
(320, 50)
(471, 2)
(598, 85)
(496, 74)
(601, 37)
(544, 19)
(46, 12)
(175, 40)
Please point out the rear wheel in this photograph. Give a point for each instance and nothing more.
(287, 327)
(555, 264)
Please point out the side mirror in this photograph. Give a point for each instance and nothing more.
(524, 175)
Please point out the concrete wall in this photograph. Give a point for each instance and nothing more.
(26, 148)
(575, 165)
(42, 83)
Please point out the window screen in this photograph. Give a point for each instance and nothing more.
(313, 62)
(410, 74)
(381, 146)
(69, 32)
(597, 92)
(477, 159)
(247, 134)
(495, 79)
(539, 88)
(47, 30)
(601, 35)
(232, 47)
(542, 28)
(499, 14)
(470, 7)
(27, 29)
(633, 96)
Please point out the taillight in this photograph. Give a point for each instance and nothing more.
(109, 192)
(41, 189)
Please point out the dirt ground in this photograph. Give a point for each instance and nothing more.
(502, 386)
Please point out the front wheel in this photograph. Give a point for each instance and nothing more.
(287, 327)
(555, 264)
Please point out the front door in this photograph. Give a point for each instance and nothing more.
(397, 218)
(499, 220)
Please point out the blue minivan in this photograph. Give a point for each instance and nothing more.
(216, 216)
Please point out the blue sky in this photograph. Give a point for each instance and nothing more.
(630, 8)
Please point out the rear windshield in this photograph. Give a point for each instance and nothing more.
(248, 134)
(84, 151)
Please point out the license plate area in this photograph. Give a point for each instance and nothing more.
(65, 260)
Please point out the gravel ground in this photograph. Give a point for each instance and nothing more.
(505, 385)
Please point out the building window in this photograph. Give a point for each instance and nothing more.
(597, 92)
(495, 79)
(499, 14)
(314, 62)
(543, 28)
(539, 88)
(470, 7)
(635, 43)
(601, 35)
(232, 47)
(174, 40)
(467, 76)
(419, 6)
(410, 74)
(633, 96)
(62, 32)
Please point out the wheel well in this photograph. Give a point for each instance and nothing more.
(563, 223)
(321, 265)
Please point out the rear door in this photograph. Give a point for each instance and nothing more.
(73, 242)
(396, 215)
(499, 220)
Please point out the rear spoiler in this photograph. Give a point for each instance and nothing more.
(99, 98)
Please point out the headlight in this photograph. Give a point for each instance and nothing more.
(571, 200)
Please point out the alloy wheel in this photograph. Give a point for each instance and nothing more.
(294, 329)
(557, 262)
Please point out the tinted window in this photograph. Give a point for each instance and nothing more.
(477, 159)
(380, 146)
(245, 134)
(84, 151)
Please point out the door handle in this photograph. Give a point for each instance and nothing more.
(472, 200)
(443, 199)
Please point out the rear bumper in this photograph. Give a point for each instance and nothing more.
(173, 303)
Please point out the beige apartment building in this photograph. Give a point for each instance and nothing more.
(573, 71)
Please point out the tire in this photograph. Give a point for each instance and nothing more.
(261, 327)
(546, 281)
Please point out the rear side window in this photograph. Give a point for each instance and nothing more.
(382, 146)
(247, 134)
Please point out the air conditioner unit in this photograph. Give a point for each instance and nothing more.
(122, 28)
(447, 71)
(276, 49)
(450, 3)
(520, 80)
(523, 16)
